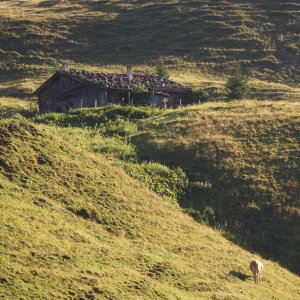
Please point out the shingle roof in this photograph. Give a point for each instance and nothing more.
(152, 82)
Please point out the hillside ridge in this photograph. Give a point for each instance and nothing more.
(197, 36)
(242, 162)
(75, 227)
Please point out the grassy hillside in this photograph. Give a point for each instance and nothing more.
(74, 225)
(196, 38)
(242, 160)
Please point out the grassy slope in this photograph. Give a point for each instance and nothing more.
(243, 158)
(75, 225)
(17, 104)
(210, 36)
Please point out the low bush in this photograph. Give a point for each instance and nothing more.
(162, 70)
(159, 178)
(115, 148)
(140, 94)
(199, 95)
(96, 116)
(206, 216)
(129, 112)
(119, 127)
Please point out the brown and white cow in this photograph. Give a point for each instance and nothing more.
(256, 267)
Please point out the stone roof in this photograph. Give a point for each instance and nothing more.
(121, 81)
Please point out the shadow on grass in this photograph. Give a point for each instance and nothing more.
(239, 275)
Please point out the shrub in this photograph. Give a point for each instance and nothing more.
(119, 127)
(51, 118)
(114, 148)
(161, 70)
(159, 178)
(140, 94)
(199, 95)
(139, 88)
(237, 85)
(93, 117)
(94, 140)
(206, 216)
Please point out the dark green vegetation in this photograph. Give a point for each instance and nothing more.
(194, 38)
(74, 225)
(199, 96)
(161, 70)
(242, 160)
(237, 85)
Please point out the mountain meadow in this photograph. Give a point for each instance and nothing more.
(83, 218)
(199, 41)
(139, 202)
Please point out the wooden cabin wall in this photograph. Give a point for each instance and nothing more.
(71, 102)
(175, 97)
(115, 96)
(101, 96)
(68, 83)
(94, 96)
(156, 100)
(90, 95)
(48, 97)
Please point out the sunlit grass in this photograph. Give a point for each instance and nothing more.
(17, 104)
(211, 37)
(74, 225)
(248, 151)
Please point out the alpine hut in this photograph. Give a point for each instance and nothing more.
(70, 89)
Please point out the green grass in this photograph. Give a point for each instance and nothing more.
(17, 104)
(107, 131)
(88, 198)
(94, 141)
(239, 157)
(211, 36)
(242, 161)
(74, 225)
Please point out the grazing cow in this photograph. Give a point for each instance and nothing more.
(256, 267)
